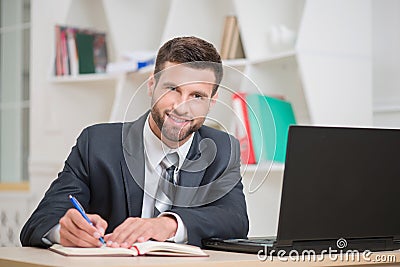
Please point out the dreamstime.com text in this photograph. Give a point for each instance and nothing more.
(330, 253)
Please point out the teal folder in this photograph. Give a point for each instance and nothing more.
(274, 116)
(256, 128)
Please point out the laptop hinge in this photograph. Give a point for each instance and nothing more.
(396, 239)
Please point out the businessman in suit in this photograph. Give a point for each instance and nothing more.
(165, 176)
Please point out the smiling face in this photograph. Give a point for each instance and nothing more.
(181, 97)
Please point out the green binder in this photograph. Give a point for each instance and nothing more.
(275, 116)
(84, 46)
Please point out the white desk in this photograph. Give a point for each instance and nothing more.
(35, 257)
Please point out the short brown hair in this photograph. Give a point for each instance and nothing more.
(188, 49)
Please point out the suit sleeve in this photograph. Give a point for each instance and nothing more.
(73, 179)
(225, 217)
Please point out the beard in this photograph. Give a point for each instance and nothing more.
(171, 132)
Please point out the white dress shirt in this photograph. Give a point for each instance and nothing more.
(154, 151)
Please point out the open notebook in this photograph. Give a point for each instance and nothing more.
(137, 249)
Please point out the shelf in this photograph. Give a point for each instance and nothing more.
(84, 78)
(99, 77)
(263, 167)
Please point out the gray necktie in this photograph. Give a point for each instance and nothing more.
(166, 185)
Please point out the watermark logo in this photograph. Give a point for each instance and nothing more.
(333, 254)
(341, 243)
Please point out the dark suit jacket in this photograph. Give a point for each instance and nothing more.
(107, 178)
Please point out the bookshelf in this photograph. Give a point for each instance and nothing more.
(321, 80)
(166, 24)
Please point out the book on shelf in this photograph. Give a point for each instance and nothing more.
(79, 51)
(57, 65)
(236, 47)
(100, 52)
(270, 119)
(84, 46)
(138, 249)
(242, 128)
(72, 52)
(231, 45)
(64, 51)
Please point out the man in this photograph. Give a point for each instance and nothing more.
(118, 172)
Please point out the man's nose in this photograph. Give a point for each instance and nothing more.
(181, 106)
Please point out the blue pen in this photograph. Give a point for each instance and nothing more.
(79, 207)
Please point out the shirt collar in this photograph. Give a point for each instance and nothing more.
(156, 150)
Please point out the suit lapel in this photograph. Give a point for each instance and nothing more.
(133, 192)
(133, 164)
(193, 169)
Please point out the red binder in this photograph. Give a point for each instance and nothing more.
(243, 134)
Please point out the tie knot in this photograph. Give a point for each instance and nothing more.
(171, 160)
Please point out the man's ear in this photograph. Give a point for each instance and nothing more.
(213, 100)
(151, 83)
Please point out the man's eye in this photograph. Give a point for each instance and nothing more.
(198, 96)
(171, 88)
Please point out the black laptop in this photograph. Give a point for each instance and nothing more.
(341, 190)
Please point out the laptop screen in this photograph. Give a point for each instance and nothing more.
(340, 183)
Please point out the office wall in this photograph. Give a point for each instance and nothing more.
(386, 59)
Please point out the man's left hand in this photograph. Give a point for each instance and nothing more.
(142, 229)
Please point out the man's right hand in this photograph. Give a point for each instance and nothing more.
(75, 231)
